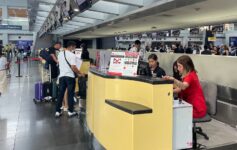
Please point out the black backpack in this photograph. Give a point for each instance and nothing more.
(45, 55)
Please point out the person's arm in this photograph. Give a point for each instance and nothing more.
(179, 84)
(76, 70)
(72, 61)
(54, 58)
(177, 90)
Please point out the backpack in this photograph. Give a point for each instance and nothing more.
(45, 55)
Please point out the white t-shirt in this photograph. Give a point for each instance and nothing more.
(133, 49)
(141, 52)
(3, 62)
(65, 69)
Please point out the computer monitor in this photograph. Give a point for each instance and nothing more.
(143, 68)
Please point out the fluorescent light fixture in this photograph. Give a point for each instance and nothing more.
(76, 9)
(17, 19)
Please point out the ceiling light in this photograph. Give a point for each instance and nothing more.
(76, 9)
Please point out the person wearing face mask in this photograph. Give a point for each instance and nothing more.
(189, 88)
(68, 72)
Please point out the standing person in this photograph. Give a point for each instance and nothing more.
(189, 89)
(137, 48)
(3, 75)
(68, 72)
(54, 62)
(85, 55)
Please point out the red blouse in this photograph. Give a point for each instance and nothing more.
(194, 95)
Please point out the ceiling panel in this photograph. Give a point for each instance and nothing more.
(169, 16)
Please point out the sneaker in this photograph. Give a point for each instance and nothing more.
(58, 114)
(71, 114)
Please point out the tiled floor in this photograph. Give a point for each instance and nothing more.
(28, 126)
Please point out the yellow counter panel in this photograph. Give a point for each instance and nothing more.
(116, 129)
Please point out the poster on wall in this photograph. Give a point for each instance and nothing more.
(124, 63)
(78, 53)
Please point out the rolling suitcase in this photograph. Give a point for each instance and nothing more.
(82, 87)
(54, 90)
(38, 92)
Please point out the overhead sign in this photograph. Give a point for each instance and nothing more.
(211, 39)
(124, 63)
(10, 27)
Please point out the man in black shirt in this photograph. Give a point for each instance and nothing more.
(54, 62)
(154, 69)
(178, 49)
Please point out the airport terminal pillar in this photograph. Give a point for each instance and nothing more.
(130, 113)
(5, 39)
(4, 21)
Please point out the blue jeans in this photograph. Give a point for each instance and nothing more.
(69, 84)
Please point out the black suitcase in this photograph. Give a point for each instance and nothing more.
(82, 87)
(47, 89)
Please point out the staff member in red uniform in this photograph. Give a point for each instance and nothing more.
(189, 89)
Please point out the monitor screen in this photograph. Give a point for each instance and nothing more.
(143, 68)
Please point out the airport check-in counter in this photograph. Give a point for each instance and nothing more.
(130, 113)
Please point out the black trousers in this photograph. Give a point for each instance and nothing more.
(69, 84)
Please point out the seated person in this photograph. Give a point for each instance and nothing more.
(154, 69)
(176, 73)
(189, 89)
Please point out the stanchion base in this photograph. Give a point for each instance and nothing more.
(18, 76)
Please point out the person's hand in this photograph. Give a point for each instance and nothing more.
(81, 75)
(168, 78)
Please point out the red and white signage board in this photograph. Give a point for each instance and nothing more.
(123, 63)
